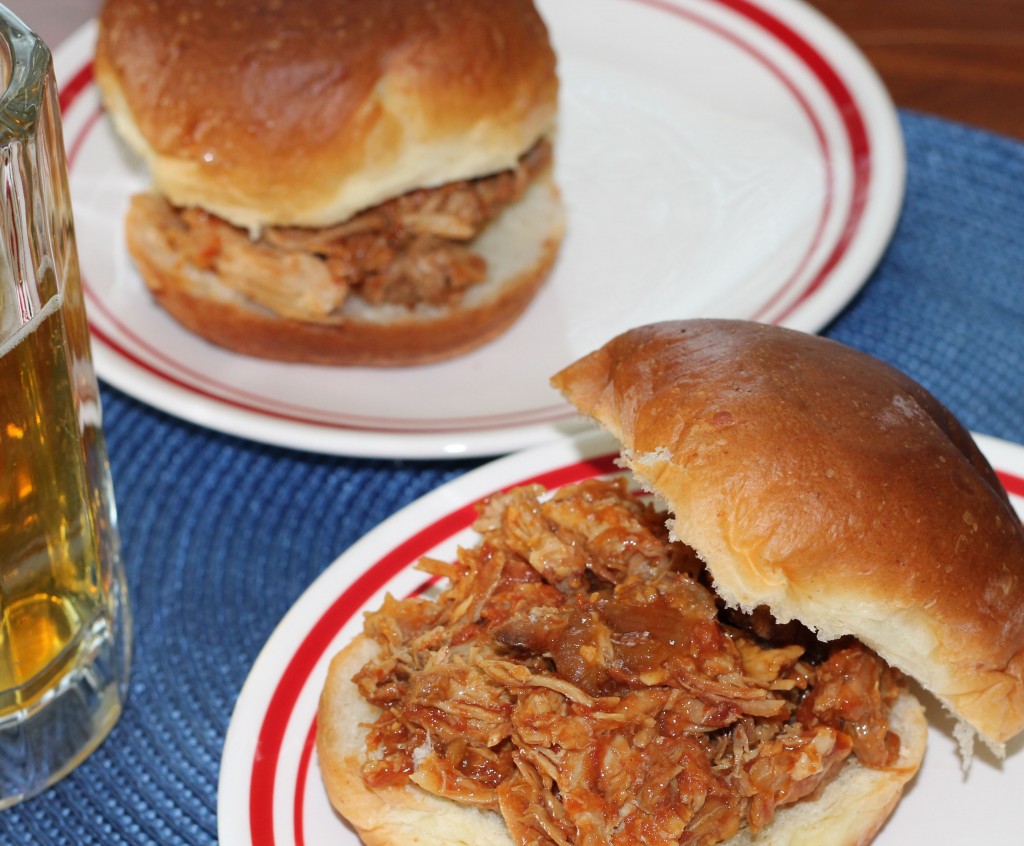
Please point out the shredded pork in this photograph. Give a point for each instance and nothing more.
(416, 248)
(577, 674)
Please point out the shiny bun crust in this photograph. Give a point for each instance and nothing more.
(848, 812)
(825, 484)
(304, 112)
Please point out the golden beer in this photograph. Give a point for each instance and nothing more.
(64, 627)
(51, 524)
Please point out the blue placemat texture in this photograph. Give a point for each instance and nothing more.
(221, 535)
(946, 303)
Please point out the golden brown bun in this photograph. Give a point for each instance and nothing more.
(825, 484)
(847, 813)
(302, 113)
(520, 247)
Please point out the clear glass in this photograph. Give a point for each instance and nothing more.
(65, 637)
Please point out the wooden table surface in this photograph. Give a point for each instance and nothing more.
(961, 59)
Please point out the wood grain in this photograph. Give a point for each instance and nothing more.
(961, 59)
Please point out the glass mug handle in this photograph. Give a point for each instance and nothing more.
(64, 620)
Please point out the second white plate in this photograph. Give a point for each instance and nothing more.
(271, 792)
(719, 158)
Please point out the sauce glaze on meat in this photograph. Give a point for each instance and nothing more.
(577, 674)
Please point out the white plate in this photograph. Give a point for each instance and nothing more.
(270, 791)
(719, 158)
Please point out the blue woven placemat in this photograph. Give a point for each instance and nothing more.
(946, 303)
(221, 536)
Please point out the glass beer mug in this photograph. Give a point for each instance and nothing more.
(64, 623)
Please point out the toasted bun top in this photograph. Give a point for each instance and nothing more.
(823, 483)
(305, 111)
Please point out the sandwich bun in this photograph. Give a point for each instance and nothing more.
(355, 101)
(829, 486)
(307, 115)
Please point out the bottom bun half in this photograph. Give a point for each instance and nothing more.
(520, 248)
(848, 812)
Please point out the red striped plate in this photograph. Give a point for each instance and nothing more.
(721, 158)
(270, 789)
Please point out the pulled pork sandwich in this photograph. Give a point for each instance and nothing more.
(598, 671)
(342, 182)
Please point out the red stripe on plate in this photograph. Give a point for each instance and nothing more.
(797, 45)
(856, 131)
(300, 784)
(1013, 484)
(275, 723)
(306, 758)
(75, 86)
